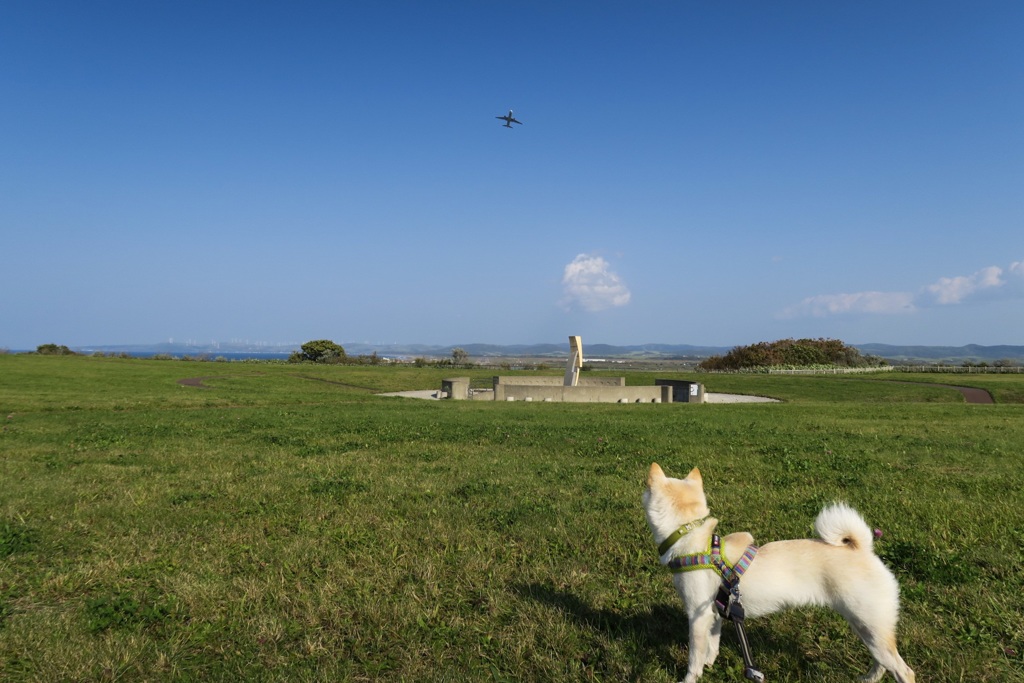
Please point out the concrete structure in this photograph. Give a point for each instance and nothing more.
(581, 393)
(573, 388)
(455, 388)
(683, 391)
(556, 382)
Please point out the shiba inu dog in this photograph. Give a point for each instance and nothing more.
(838, 570)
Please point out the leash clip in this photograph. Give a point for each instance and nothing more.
(730, 607)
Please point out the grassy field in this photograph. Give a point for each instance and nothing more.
(286, 523)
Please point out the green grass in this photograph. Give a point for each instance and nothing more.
(285, 523)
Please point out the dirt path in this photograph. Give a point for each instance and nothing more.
(194, 382)
(972, 394)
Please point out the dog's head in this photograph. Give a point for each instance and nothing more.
(670, 503)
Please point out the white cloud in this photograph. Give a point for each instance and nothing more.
(946, 291)
(589, 282)
(858, 302)
(953, 290)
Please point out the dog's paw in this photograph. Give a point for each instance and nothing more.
(873, 676)
(712, 653)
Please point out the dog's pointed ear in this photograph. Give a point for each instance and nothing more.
(655, 474)
(694, 475)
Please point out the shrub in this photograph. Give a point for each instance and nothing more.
(319, 351)
(54, 350)
(460, 358)
(791, 352)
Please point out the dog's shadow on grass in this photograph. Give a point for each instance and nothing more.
(662, 626)
(662, 631)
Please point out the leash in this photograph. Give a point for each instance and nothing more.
(729, 607)
(727, 601)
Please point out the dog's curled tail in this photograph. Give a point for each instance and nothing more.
(840, 524)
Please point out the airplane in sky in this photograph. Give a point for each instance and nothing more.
(509, 119)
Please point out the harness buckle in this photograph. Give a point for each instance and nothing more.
(722, 601)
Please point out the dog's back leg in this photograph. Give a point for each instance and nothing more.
(871, 605)
(887, 657)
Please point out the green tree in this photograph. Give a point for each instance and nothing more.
(459, 357)
(54, 350)
(320, 351)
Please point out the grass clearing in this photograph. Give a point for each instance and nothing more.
(285, 523)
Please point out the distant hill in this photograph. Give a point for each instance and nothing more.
(561, 350)
(930, 354)
(952, 354)
(926, 354)
(177, 349)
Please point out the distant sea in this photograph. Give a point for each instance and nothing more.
(201, 355)
(954, 355)
(207, 355)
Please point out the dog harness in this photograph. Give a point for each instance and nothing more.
(714, 559)
(727, 602)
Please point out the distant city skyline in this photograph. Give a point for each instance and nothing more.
(713, 174)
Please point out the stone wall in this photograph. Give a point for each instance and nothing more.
(582, 394)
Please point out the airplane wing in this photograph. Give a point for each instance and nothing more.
(515, 121)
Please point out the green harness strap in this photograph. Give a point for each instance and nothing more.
(677, 534)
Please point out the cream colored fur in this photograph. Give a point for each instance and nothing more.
(837, 570)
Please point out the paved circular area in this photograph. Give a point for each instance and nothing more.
(737, 398)
(970, 394)
(708, 398)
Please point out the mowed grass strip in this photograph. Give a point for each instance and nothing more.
(286, 523)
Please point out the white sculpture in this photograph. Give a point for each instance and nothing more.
(572, 368)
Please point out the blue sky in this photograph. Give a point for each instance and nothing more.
(686, 172)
